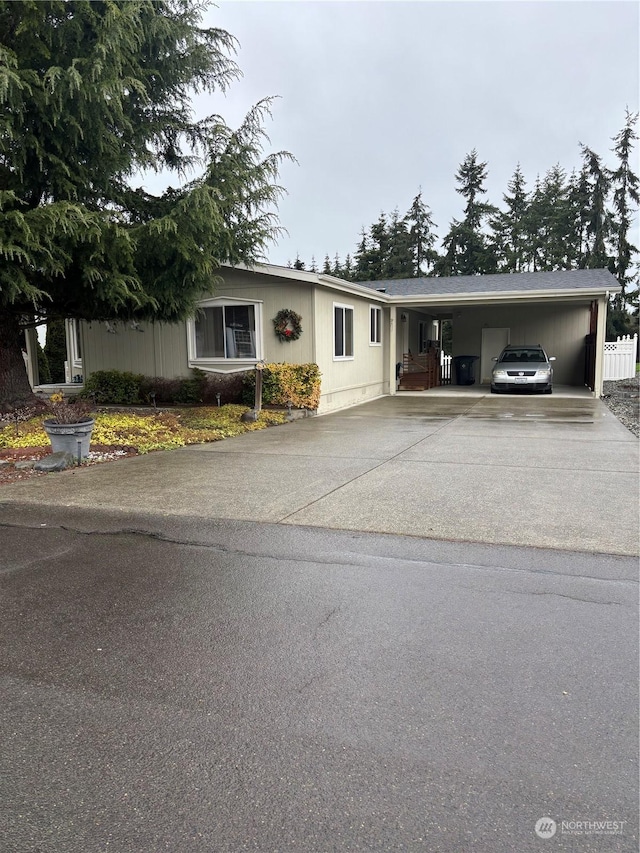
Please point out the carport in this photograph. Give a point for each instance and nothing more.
(564, 311)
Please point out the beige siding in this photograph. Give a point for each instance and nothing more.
(275, 294)
(159, 350)
(366, 375)
(560, 327)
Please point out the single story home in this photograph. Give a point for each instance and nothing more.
(360, 334)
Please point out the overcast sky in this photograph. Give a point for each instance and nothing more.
(379, 98)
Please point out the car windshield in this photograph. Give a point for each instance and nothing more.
(522, 356)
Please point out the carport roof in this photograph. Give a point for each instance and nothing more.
(524, 283)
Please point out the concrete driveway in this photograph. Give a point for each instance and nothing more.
(540, 471)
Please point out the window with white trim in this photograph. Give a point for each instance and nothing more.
(342, 331)
(375, 326)
(225, 330)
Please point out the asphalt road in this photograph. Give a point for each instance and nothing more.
(180, 684)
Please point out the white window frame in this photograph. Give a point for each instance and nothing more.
(225, 365)
(375, 311)
(73, 361)
(344, 308)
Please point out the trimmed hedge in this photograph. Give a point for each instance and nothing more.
(283, 383)
(120, 388)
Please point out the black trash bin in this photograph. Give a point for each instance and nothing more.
(464, 366)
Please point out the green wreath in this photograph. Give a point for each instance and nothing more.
(287, 325)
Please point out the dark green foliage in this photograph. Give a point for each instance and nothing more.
(421, 237)
(509, 227)
(563, 223)
(621, 322)
(90, 94)
(467, 248)
(56, 350)
(113, 386)
(44, 371)
(118, 388)
(626, 197)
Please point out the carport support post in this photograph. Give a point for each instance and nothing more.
(393, 347)
(601, 335)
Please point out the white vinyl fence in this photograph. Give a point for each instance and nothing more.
(620, 358)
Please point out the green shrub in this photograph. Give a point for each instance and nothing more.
(114, 386)
(56, 350)
(283, 383)
(200, 388)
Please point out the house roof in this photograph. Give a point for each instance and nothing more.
(513, 283)
(504, 287)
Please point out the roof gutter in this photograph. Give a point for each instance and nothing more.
(502, 296)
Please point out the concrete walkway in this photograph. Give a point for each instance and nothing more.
(540, 471)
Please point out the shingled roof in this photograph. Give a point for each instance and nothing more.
(525, 282)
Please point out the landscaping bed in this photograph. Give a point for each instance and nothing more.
(123, 432)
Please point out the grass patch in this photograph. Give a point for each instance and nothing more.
(153, 431)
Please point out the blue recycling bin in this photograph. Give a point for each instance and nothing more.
(464, 366)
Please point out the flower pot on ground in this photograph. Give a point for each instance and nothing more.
(66, 437)
(69, 426)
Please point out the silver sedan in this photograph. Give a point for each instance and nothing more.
(522, 368)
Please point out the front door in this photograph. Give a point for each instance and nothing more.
(493, 342)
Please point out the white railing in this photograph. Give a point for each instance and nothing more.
(620, 358)
(445, 368)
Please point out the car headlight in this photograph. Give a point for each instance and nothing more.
(545, 372)
(499, 374)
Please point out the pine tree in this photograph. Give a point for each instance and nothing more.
(421, 236)
(626, 198)
(326, 267)
(362, 269)
(468, 251)
(90, 95)
(509, 227)
(379, 247)
(313, 267)
(336, 269)
(598, 226)
(298, 264)
(398, 262)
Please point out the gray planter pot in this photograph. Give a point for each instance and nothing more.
(65, 437)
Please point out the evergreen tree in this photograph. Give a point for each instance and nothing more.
(326, 267)
(347, 270)
(468, 251)
(626, 198)
(55, 349)
(362, 269)
(90, 94)
(298, 264)
(379, 247)
(598, 226)
(421, 237)
(313, 267)
(398, 262)
(336, 269)
(509, 227)
(44, 371)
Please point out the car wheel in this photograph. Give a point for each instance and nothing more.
(548, 390)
